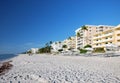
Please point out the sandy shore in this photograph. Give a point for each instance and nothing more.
(63, 69)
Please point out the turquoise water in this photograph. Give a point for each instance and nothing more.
(6, 56)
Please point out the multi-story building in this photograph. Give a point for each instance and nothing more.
(56, 46)
(84, 37)
(70, 42)
(109, 36)
(34, 50)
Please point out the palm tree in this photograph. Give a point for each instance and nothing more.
(50, 42)
(55, 42)
(79, 35)
(59, 42)
(84, 27)
(64, 46)
(69, 38)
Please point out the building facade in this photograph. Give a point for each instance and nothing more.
(70, 42)
(84, 37)
(109, 36)
(34, 50)
(56, 46)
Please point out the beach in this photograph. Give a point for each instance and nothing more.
(46, 68)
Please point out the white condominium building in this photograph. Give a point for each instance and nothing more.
(56, 46)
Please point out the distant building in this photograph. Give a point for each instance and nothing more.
(70, 42)
(56, 46)
(34, 50)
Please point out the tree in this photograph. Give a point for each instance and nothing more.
(50, 42)
(60, 50)
(47, 48)
(79, 35)
(59, 41)
(84, 27)
(69, 38)
(88, 46)
(29, 51)
(64, 46)
(55, 42)
(83, 51)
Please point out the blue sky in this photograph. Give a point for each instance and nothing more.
(32, 23)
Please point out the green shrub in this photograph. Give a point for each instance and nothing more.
(64, 46)
(88, 46)
(83, 51)
(99, 50)
(60, 50)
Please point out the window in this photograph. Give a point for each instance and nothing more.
(106, 43)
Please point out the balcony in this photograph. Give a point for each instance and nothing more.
(118, 43)
(98, 41)
(118, 38)
(104, 45)
(97, 37)
(99, 46)
(109, 34)
(118, 32)
(109, 39)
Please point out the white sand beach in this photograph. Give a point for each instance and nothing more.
(63, 69)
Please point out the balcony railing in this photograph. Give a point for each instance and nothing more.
(118, 37)
(103, 35)
(117, 32)
(109, 34)
(105, 40)
(109, 39)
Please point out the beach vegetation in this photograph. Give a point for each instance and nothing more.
(28, 52)
(87, 46)
(60, 50)
(78, 34)
(84, 27)
(46, 49)
(69, 38)
(83, 51)
(99, 50)
(64, 46)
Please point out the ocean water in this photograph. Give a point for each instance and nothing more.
(6, 56)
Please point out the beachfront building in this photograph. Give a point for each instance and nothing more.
(107, 37)
(84, 37)
(56, 46)
(34, 50)
(70, 42)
